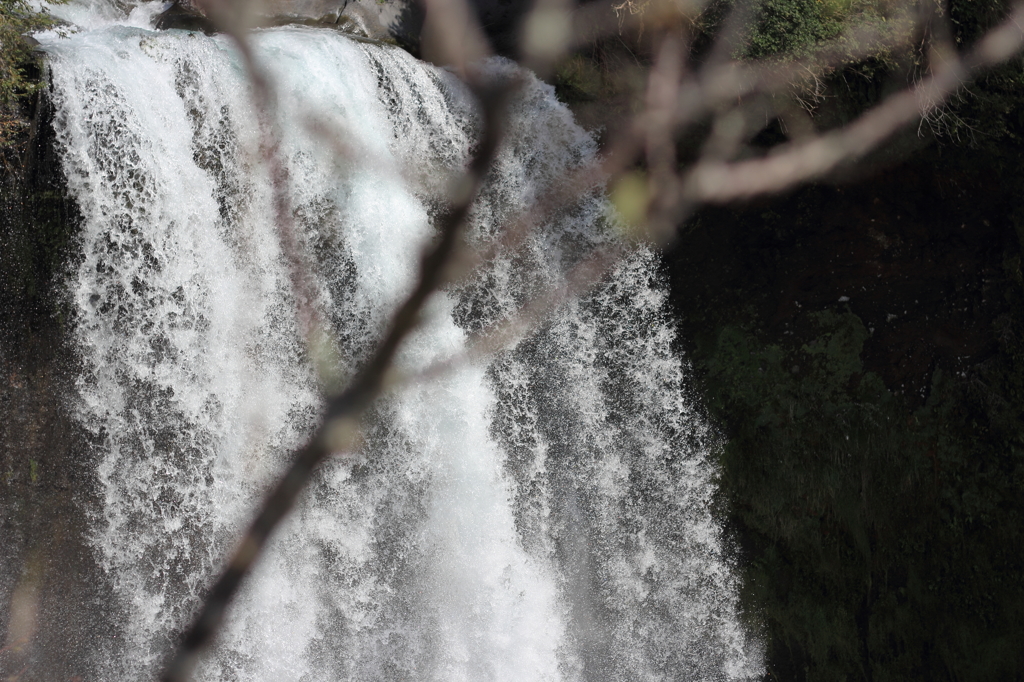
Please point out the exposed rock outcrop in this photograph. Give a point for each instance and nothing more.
(395, 21)
(392, 21)
(51, 607)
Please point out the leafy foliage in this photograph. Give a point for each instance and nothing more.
(789, 29)
(18, 67)
(881, 539)
(794, 26)
(879, 525)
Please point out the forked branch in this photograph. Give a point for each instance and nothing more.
(676, 99)
(340, 428)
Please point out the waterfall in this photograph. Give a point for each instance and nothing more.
(542, 515)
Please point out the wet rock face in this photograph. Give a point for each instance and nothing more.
(391, 21)
(394, 21)
(51, 607)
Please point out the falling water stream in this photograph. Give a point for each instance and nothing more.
(543, 515)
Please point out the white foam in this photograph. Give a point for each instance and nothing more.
(542, 518)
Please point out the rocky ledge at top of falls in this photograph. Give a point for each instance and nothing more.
(391, 21)
(397, 21)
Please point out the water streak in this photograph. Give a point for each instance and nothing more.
(543, 517)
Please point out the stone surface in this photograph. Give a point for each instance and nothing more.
(395, 21)
(52, 610)
(391, 21)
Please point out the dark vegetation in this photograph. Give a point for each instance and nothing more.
(860, 343)
(18, 70)
(875, 457)
(19, 73)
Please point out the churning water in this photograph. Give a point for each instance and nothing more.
(545, 516)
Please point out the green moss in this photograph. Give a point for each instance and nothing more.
(19, 68)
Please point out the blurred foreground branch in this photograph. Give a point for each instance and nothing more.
(652, 189)
(788, 165)
(340, 428)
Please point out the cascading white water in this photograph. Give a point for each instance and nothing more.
(542, 517)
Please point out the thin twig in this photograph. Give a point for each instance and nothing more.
(504, 335)
(790, 164)
(228, 17)
(721, 83)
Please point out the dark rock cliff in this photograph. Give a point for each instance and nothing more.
(50, 604)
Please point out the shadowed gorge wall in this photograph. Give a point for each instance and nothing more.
(860, 346)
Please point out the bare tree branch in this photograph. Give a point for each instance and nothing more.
(718, 182)
(452, 37)
(720, 83)
(340, 427)
(674, 101)
(232, 17)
